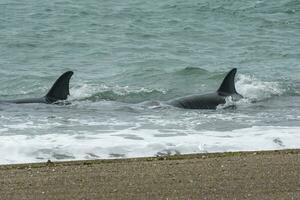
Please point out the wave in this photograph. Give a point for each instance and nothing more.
(115, 93)
(130, 143)
(191, 71)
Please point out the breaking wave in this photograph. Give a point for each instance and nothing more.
(115, 93)
(256, 90)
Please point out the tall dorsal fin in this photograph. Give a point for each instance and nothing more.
(228, 86)
(60, 89)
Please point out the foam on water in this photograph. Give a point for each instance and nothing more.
(255, 89)
(136, 143)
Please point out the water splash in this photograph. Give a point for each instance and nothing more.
(256, 90)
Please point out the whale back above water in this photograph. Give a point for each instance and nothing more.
(210, 100)
(58, 92)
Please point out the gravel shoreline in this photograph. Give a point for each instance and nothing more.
(233, 175)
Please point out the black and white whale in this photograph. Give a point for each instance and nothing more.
(58, 92)
(211, 100)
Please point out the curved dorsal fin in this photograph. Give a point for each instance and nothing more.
(228, 86)
(60, 89)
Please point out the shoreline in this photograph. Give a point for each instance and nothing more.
(149, 158)
(232, 175)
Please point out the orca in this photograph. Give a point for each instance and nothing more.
(58, 92)
(211, 100)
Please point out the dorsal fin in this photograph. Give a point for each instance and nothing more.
(60, 89)
(228, 86)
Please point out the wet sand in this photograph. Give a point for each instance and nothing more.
(239, 175)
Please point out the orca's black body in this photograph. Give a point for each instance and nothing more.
(58, 92)
(211, 100)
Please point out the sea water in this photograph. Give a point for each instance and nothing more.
(128, 58)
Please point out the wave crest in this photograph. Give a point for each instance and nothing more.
(115, 93)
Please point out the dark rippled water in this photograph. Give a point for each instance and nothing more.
(131, 56)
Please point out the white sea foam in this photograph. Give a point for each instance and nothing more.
(137, 143)
(255, 89)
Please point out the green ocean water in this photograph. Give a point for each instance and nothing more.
(128, 58)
